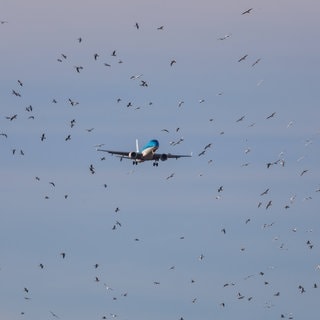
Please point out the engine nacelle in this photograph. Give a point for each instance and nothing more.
(133, 155)
(164, 157)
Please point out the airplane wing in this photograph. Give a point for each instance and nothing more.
(123, 154)
(165, 156)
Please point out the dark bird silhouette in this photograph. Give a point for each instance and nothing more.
(13, 117)
(243, 58)
(264, 192)
(16, 93)
(303, 172)
(170, 176)
(54, 315)
(247, 11)
(240, 119)
(172, 62)
(271, 115)
(257, 61)
(269, 204)
(78, 68)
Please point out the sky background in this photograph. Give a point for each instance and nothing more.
(176, 247)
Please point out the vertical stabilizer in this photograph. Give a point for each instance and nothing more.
(137, 145)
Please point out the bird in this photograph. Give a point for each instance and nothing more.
(137, 25)
(240, 119)
(247, 11)
(170, 176)
(271, 115)
(16, 93)
(243, 58)
(264, 192)
(63, 255)
(160, 28)
(13, 117)
(269, 204)
(225, 37)
(54, 315)
(96, 56)
(255, 62)
(78, 68)
(43, 137)
(91, 168)
(172, 62)
(303, 172)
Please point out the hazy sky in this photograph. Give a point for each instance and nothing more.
(234, 231)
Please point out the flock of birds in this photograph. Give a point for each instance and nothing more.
(262, 196)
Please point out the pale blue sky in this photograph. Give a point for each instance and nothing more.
(164, 223)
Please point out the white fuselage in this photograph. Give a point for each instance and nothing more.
(147, 154)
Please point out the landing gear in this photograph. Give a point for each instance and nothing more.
(135, 162)
(155, 164)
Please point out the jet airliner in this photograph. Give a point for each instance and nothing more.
(148, 153)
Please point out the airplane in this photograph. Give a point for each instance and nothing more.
(147, 153)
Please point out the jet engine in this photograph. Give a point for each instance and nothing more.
(164, 157)
(133, 155)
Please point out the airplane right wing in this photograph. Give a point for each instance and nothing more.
(124, 154)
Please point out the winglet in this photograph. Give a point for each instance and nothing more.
(137, 145)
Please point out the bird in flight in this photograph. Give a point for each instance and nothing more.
(247, 11)
(243, 58)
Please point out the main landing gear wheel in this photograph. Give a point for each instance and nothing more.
(155, 164)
